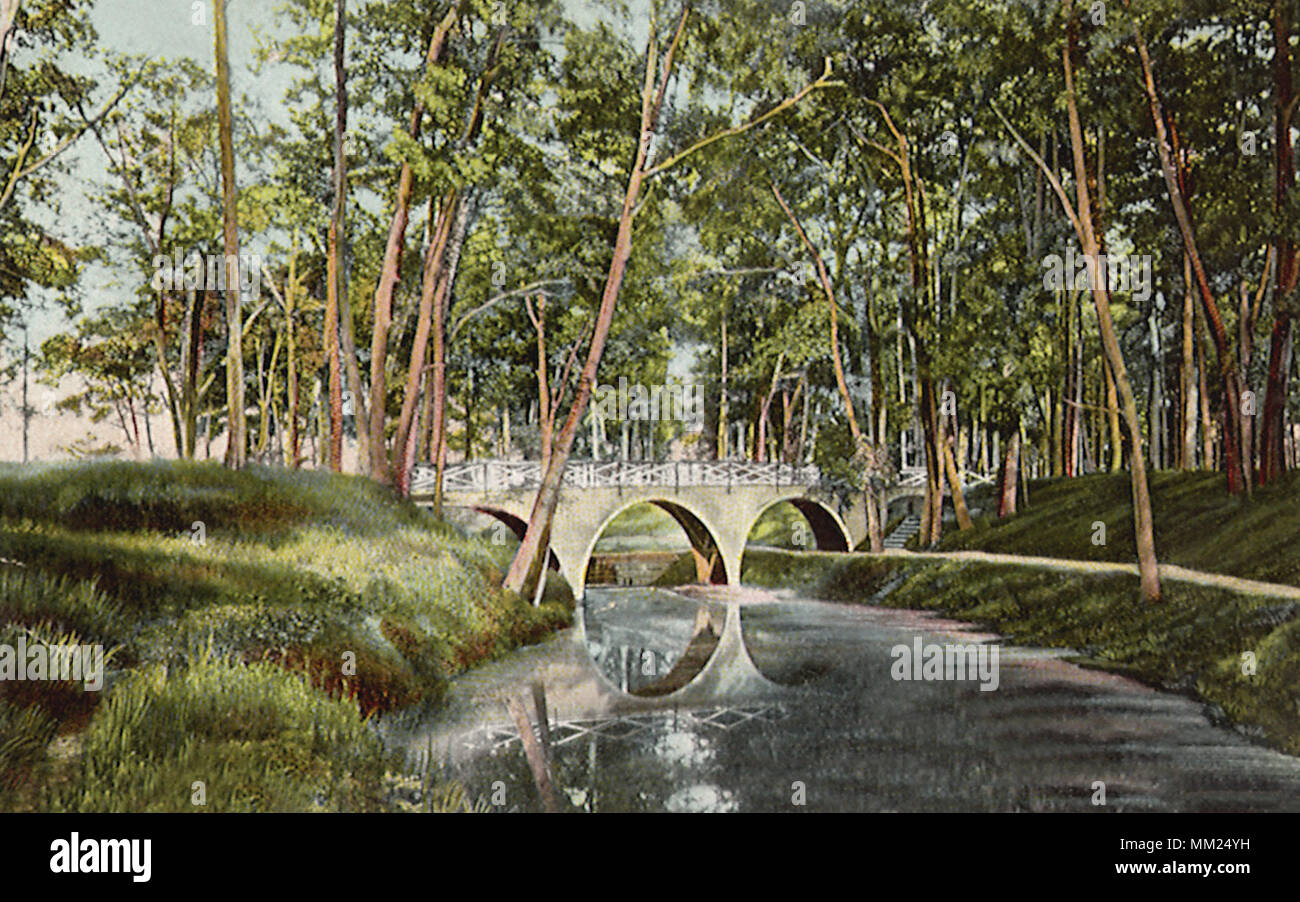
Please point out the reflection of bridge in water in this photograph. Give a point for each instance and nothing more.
(663, 644)
(648, 641)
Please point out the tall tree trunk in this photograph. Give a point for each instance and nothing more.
(1187, 414)
(335, 381)
(525, 573)
(336, 265)
(1112, 418)
(537, 315)
(1232, 401)
(526, 570)
(760, 452)
(723, 451)
(1080, 215)
(1245, 325)
(293, 449)
(439, 381)
(954, 478)
(431, 285)
(236, 449)
(390, 271)
(191, 351)
(1144, 529)
(403, 450)
(1272, 451)
(1207, 424)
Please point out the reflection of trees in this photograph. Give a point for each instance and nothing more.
(637, 774)
(656, 641)
(632, 668)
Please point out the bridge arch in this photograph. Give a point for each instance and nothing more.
(706, 549)
(516, 524)
(828, 528)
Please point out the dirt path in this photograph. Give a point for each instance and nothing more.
(1167, 571)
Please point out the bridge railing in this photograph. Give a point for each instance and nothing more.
(914, 478)
(474, 477)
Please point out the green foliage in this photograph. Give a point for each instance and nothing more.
(24, 734)
(259, 739)
(1197, 524)
(239, 641)
(31, 598)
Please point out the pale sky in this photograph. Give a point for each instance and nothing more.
(170, 30)
(175, 29)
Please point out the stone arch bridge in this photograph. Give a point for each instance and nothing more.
(716, 503)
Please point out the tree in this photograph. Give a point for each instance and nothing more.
(1081, 216)
(237, 447)
(526, 569)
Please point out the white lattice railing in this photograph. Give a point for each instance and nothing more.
(503, 475)
(914, 478)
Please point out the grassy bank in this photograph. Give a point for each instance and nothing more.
(1198, 525)
(253, 621)
(1193, 642)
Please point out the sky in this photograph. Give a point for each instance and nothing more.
(176, 29)
(167, 30)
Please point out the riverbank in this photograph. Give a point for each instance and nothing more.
(1198, 525)
(251, 621)
(1239, 653)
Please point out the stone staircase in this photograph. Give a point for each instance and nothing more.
(904, 531)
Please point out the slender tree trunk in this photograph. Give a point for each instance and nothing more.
(723, 450)
(954, 479)
(1080, 214)
(236, 449)
(439, 385)
(1144, 529)
(1272, 451)
(292, 450)
(761, 450)
(390, 270)
(525, 571)
(538, 317)
(191, 351)
(1247, 419)
(859, 442)
(1189, 396)
(1232, 401)
(431, 287)
(335, 381)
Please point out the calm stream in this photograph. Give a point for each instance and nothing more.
(826, 724)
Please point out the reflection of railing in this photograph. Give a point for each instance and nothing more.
(633, 726)
(503, 475)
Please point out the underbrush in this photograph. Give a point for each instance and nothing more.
(309, 594)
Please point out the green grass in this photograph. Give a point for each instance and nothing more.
(311, 595)
(256, 737)
(1198, 525)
